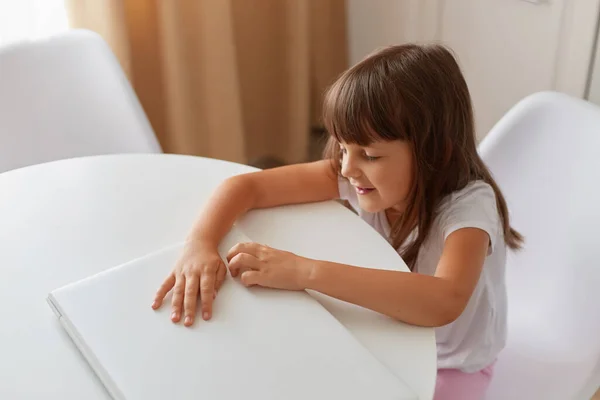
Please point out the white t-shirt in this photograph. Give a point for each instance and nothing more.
(474, 339)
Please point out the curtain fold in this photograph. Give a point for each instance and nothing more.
(230, 79)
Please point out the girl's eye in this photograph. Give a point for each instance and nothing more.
(370, 158)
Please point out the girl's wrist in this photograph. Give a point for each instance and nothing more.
(308, 272)
(202, 242)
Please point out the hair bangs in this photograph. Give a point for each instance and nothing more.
(357, 108)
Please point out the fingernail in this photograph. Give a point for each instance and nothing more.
(154, 304)
(174, 315)
(205, 315)
(188, 320)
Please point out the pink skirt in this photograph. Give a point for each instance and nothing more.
(453, 384)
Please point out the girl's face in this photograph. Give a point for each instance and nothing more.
(381, 174)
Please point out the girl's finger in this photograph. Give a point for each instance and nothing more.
(250, 278)
(166, 286)
(243, 261)
(207, 292)
(191, 299)
(221, 275)
(248, 248)
(177, 302)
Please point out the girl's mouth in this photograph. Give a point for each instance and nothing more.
(363, 191)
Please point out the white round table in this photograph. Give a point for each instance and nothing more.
(65, 220)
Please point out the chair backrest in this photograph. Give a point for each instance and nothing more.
(544, 154)
(64, 97)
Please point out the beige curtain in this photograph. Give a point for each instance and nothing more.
(229, 79)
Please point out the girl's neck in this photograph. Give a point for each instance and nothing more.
(393, 215)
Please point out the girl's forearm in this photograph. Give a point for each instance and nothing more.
(409, 297)
(233, 198)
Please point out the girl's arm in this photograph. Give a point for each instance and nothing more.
(200, 270)
(409, 297)
(294, 184)
(413, 298)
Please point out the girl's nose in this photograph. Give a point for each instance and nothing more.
(349, 168)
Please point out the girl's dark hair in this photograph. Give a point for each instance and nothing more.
(414, 93)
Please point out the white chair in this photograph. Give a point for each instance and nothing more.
(64, 97)
(544, 154)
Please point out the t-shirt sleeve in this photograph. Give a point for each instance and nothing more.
(473, 207)
(347, 192)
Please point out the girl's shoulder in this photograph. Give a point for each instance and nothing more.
(475, 195)
(474, 191)
(473, 206)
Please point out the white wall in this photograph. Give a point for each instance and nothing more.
(376, 23)
(594, 89)
(507, 48)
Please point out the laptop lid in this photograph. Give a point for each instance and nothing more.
(260, 343)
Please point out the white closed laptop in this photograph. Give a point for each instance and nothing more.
(260, 344)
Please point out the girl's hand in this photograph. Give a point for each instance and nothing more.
(263, 266)
(200, 270)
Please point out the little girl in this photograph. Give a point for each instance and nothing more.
(402, 152)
